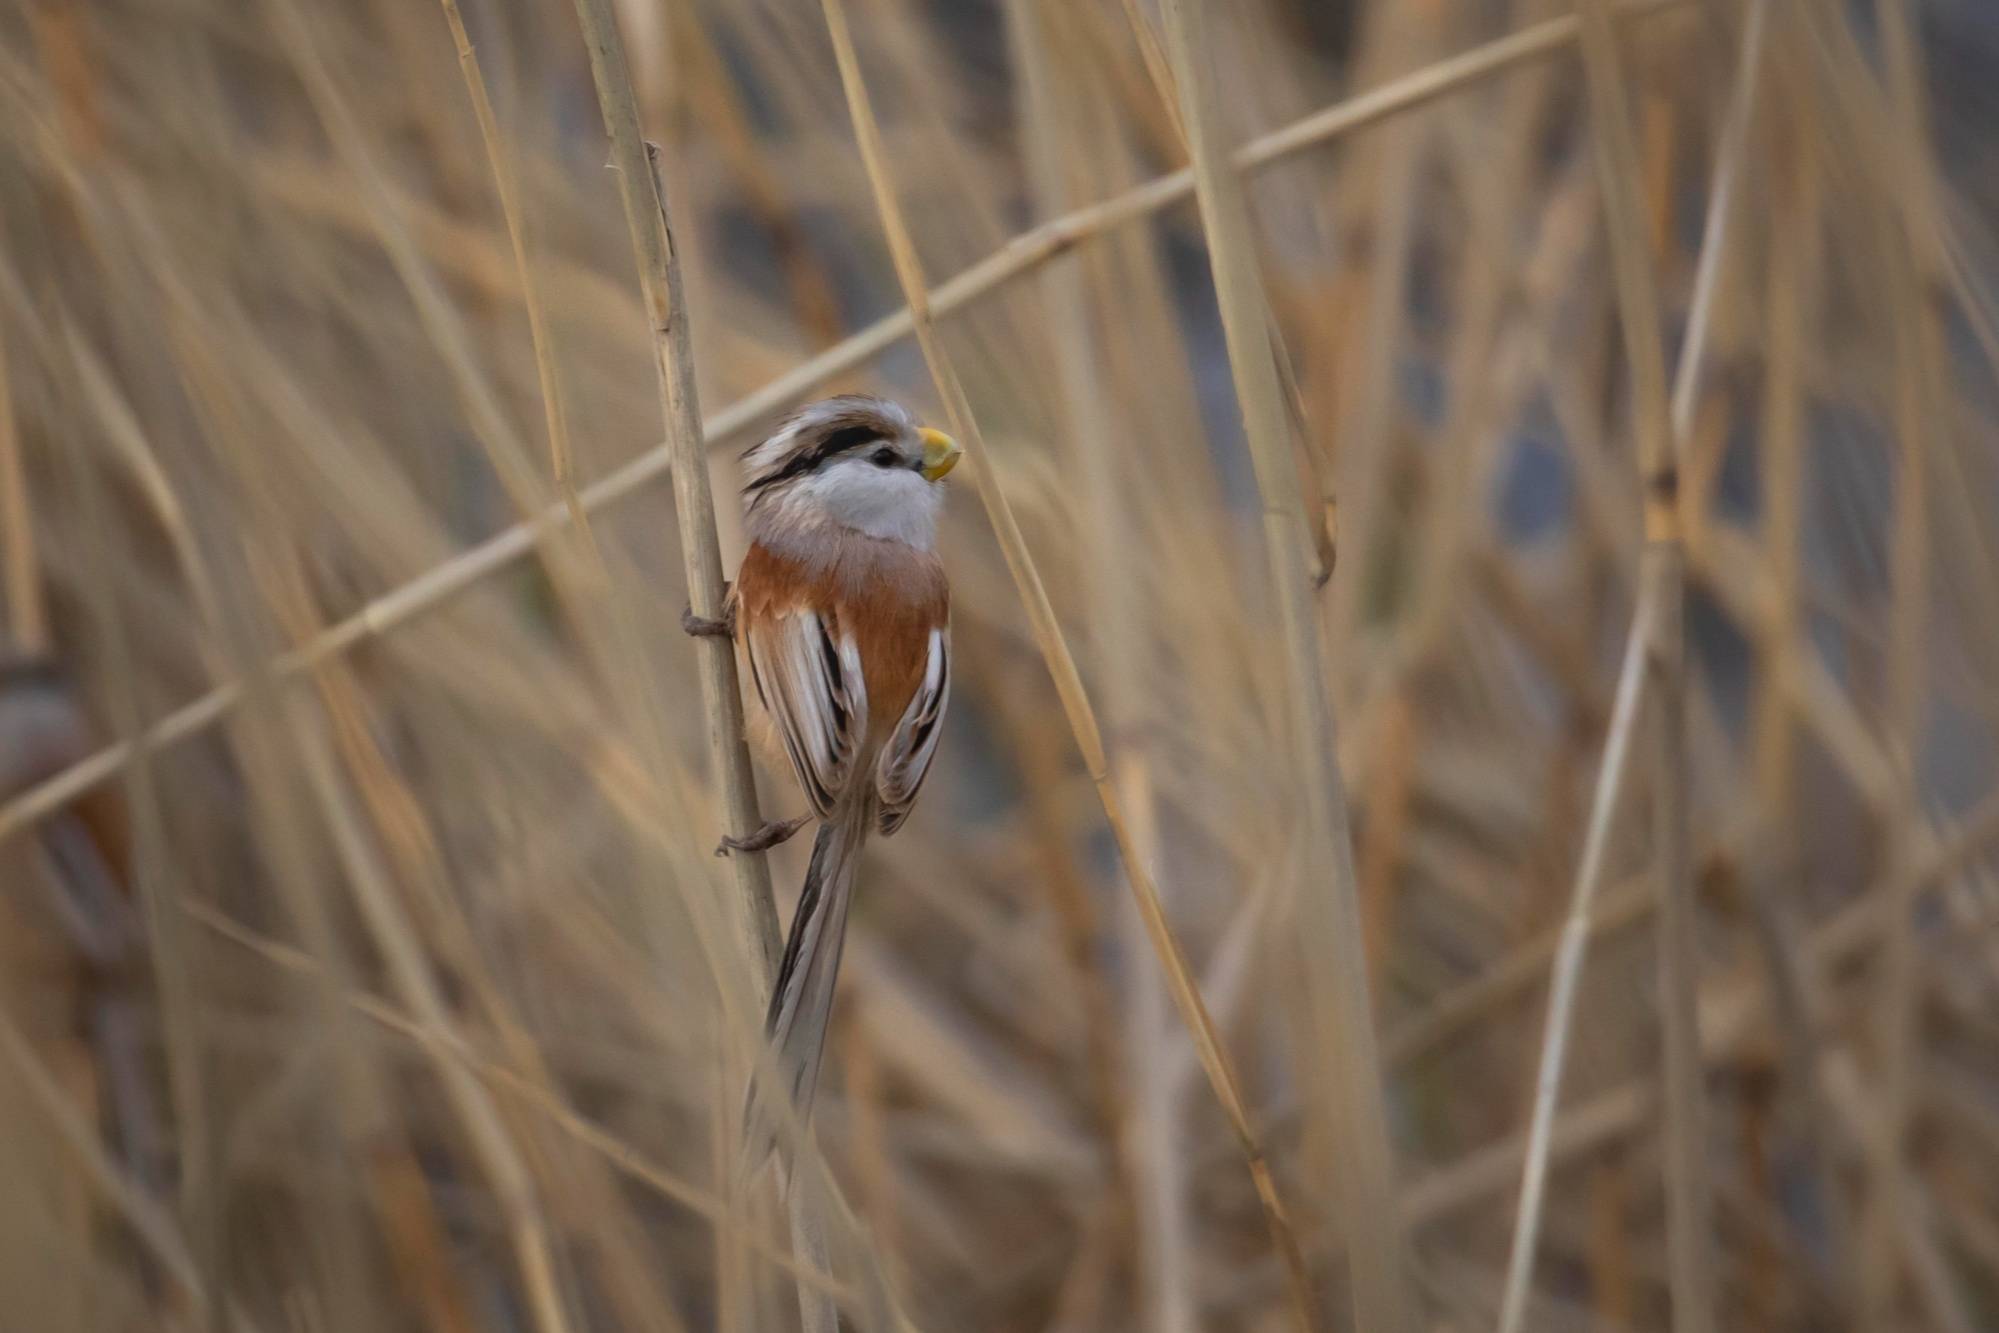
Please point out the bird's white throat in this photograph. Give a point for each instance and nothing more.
(892, 504)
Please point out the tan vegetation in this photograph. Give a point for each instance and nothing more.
(1471, 794)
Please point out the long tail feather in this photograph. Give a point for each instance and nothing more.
(801, 1001)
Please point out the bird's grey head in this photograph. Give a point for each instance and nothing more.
(855, 461)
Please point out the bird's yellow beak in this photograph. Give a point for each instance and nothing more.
(940, 453)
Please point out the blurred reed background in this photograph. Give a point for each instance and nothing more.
(386, 983)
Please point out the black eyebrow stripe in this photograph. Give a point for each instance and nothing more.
(848, 437)
(839, 442)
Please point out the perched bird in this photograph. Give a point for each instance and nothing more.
(842, 611)
(43, 730)
(88, 937)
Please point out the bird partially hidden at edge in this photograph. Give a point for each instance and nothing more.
(843, 613)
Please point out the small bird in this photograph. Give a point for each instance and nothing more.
(842, 609)
(43, 730)
(96, 943)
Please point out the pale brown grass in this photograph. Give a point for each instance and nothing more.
(1316, 361)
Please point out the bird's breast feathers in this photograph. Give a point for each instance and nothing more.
(874, 598)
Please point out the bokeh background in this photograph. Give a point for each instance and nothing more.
(377, 986)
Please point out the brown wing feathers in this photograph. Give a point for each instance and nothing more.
(884, 596)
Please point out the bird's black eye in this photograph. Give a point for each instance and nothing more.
(885, 458)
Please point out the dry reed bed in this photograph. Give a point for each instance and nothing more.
(324, 404)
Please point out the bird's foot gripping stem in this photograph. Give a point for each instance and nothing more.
(773, 832)
(722, 627)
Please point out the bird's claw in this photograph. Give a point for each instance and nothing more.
(722, 627)
(773, 832)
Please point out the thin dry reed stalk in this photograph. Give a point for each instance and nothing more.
(1322, 506)
(1333, 939)
(1061, 665)
(1654, 655)
(154, 1227)
(1906, 231)
(410, 974)
(641, 1300)
(441, 322)
(575, 579)
(716, 112)
(561, 466)
(627, 1160)
(1566, 973)
(20, 568)
(154, 876)
(754, 909)
(1070, 138)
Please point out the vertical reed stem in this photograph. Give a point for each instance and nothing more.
(754, 910)
(1331, 896)
(1061, 665)
(1905, 229)
(1662, 580)
(647, 219)
(1655, 658)
(20, 569)
(561, 465)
